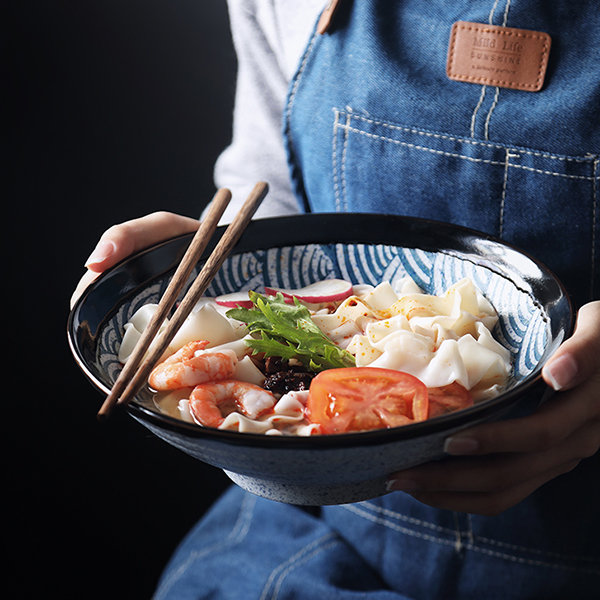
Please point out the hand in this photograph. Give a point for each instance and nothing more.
(496, 465)
(119, 241)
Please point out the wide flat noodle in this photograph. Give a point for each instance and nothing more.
(439, 339)
(287, 417)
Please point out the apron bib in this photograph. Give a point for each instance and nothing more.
(372, 124)
(389, 132)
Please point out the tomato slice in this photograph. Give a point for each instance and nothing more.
(446, 399)
(363, 398)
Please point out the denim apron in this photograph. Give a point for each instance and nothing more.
(372, 124)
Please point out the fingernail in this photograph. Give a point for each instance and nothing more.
(101, 252)
(461, 445)
(401, 485)
(561, 371)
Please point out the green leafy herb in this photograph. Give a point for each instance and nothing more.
(288, 331)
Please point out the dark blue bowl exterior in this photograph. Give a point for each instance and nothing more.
(130, 278)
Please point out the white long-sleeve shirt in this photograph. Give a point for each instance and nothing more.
(269, 37)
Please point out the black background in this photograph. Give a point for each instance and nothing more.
(113, 109)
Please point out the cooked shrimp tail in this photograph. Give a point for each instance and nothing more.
(191, 365)
(209, 402)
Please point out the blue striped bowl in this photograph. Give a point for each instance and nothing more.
(291, 252)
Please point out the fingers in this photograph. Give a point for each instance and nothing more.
(500, 471)
(493, 482)
(579, 356)
(119, 241)
(489, 485)
(547, 427)
(489, 503)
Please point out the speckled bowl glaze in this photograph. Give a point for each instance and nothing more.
(535, 316)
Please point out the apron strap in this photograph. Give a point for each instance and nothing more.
(327, 15)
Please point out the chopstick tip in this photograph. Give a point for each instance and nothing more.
(102, 416)
(105, 410)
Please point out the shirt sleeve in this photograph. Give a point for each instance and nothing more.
(268, 37)
(256, 152)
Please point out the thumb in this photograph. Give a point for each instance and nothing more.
(579, 356)
(119, 241)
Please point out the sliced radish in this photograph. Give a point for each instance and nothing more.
(234, 299)
(328, 290)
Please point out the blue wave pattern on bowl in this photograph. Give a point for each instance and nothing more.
(522, 327)
(112, 333)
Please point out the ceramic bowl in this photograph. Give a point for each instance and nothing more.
(535, 316)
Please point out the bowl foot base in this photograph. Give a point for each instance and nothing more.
(307, 494)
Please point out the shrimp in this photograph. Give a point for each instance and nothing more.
(191, 365)
(208, 401)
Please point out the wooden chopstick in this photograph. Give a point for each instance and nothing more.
(156, 342)
(190, 259)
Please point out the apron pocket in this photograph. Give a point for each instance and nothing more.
(542, 202)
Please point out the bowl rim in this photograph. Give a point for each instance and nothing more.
(356, 228)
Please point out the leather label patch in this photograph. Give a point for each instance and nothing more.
(499, 56)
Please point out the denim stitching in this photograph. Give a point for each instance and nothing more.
(336, 179)
(468, 533)
(486, 127)
(451, 138)
(468, 546)
(287, 112)
(405, 530)
(531, 561)
(517, 548)
(341, 200)
(464, 157)
(503, 196)
(545, 172)
(300, 557)
(299, 563)
(483, 87)
(506, 9)
(344, 152)
(491, 15)
(401, 517)
(237, 534)
(458, 543)
(417, 147)
(294, 90)
(474, 115)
